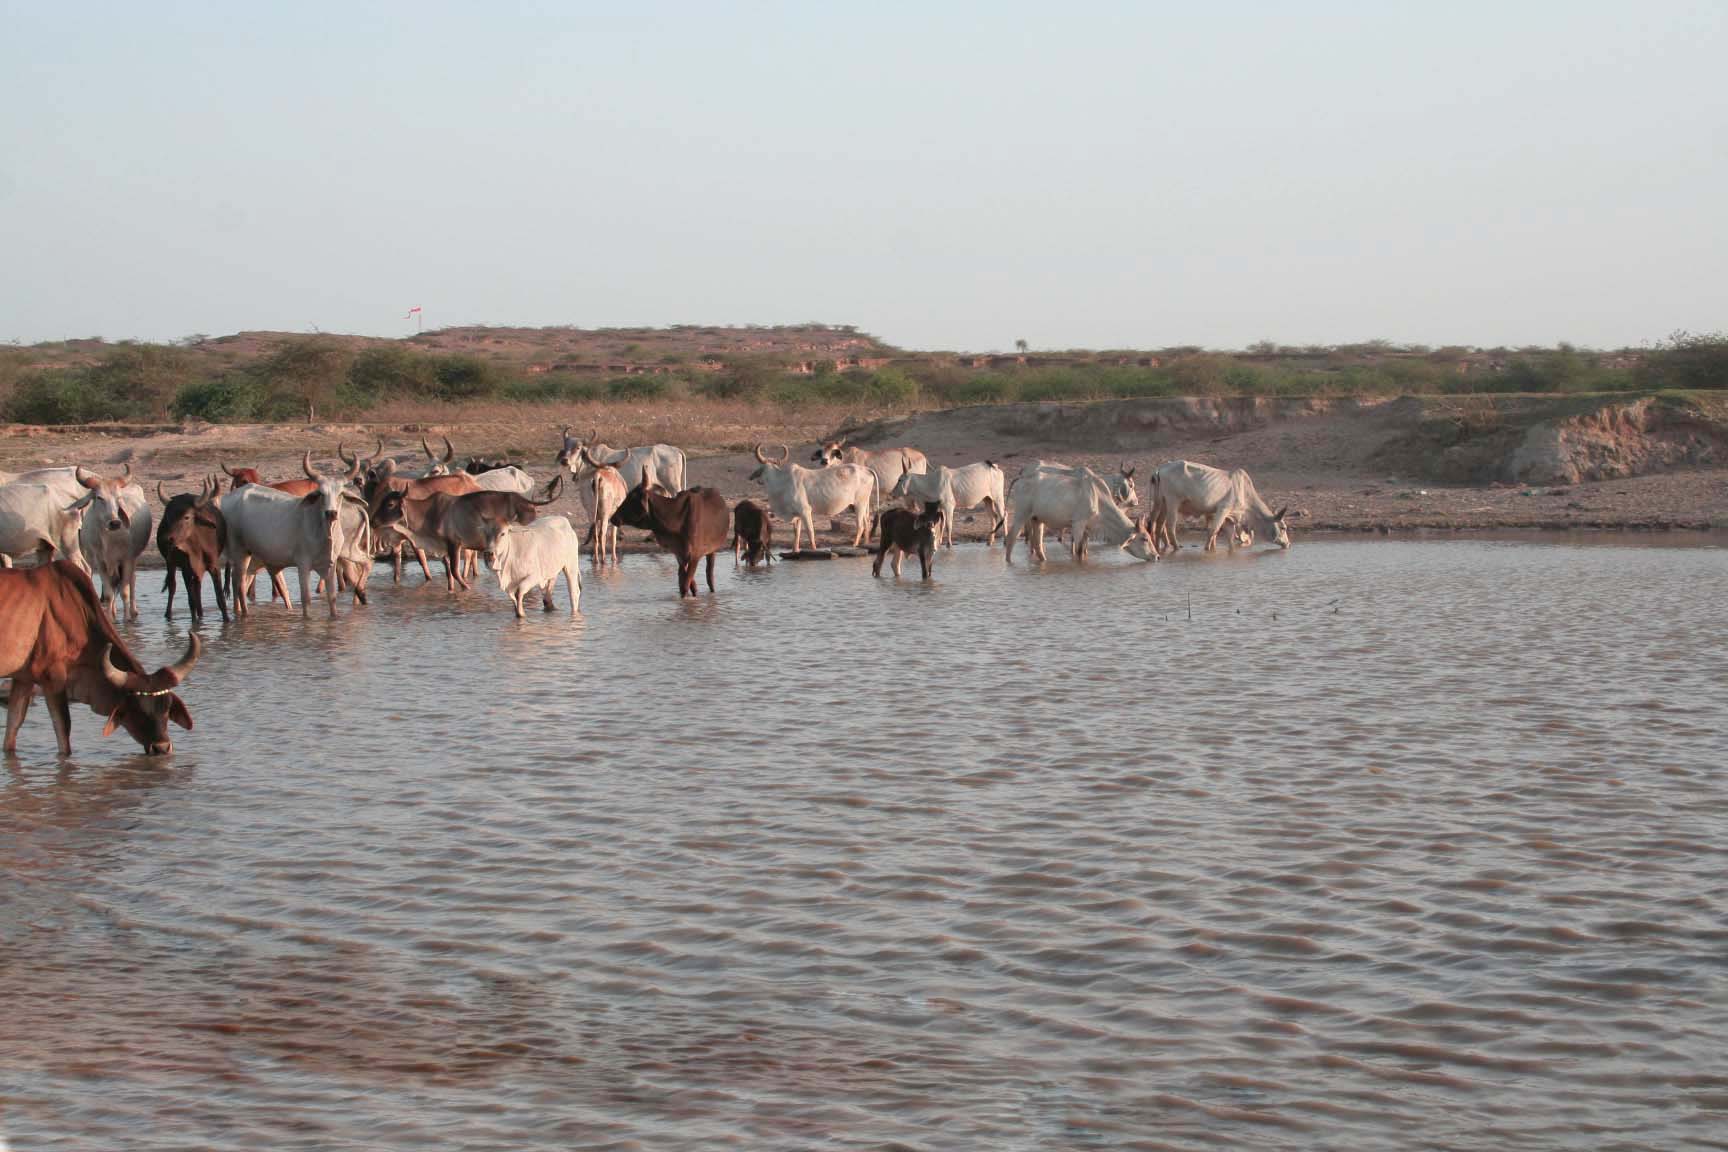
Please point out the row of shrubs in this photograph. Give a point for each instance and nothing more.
(302, 378)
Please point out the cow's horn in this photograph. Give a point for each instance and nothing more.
(344, 457)
(785, 453)
(306, 463)
(449, 450)
(161, 495)
(1127, 471)
(760, 459)
(594, 434)
(226, 469)
(353, 469)
(88, 479)
(115, 675)
(126, 473)
(181, 668)
(424, 447)
(1281, 511)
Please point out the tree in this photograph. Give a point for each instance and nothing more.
(1021, 346)
(305, 371)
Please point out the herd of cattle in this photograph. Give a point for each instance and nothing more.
(57, 633)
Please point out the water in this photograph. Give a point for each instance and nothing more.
(1392, 845)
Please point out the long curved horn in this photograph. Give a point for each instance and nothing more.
(1127, 471)
(88, 479)
(594, 434)
(785, 454)
(306, 463)
(353, 468)
(127, 473)
(226, 469)
(115, 675)
(430, 455)
(760, 459)
(449, 451)
(161, 495)
(343, 456)
(181, 668)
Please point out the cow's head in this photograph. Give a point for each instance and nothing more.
(764, 465)
(1122, 486)
(198, 531)
(439, 465)
(68, 525)
(1139, 543)
(144, 703)
(107, 509)
(327, 498)
(239, 476)
(829, 452)
(569, 455)
(1271, 527)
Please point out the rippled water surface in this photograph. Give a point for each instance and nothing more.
(1390, 845)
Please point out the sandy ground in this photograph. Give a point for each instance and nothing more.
(1315, 466)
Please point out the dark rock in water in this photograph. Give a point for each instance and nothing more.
(808, 554)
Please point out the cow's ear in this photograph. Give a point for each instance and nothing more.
(113, 719)
(177, 713)
(311, 499)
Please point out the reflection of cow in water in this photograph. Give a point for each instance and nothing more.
(55, 636)
(1181, 488)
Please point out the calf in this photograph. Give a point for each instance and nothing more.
(906, 531)
(690, 525)
(752, 534)
(603, 496)
(530, 556)
(191, 538)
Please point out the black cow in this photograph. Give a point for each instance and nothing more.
(907, 531)
(191, 538)
(752, 534)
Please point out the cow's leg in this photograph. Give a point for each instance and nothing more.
(17, 704)
(546, 593)
(62, 717)
(1214, 523)
(710, 571)
(168, 587)
(1016, 528)
(899, 555)
(194, 590)
(947, 524)
(516, 599)
(221, 602)
(572, 581)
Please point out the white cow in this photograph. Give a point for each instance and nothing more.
(801, 494)
(957, 488)
(33, 521)
(308, 533)
(606, 492)
(1181, 488)
(666, 462)
(889, 464)
(115, 533)
(1080, 501)
(1120, 483)
(530, 556)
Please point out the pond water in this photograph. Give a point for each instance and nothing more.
(1368, 845)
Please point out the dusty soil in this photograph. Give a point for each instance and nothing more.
(1339, 466)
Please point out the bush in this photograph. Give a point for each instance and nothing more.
(233, 398)
(1686, 361)
(391, 370)
(465, 378)
(70, 396)
(553, 387)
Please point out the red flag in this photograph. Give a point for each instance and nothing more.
(412, 310)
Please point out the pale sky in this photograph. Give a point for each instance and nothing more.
(944, 175)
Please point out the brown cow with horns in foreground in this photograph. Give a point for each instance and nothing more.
(55, 636)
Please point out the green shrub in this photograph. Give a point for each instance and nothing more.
(892, 386)
(465, 378)
(231, 398)
(1686, 361)
(562, 387)
(392, 369)
(68, 396)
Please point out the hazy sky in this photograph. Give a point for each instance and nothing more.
(943, 175)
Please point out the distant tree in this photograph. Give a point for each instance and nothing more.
(1021, 346)
(304, 373)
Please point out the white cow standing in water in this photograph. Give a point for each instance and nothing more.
(1181, 488)
(1080, 501)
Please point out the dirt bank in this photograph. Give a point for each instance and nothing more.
(1416, 463)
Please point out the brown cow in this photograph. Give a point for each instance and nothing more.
(383, 480)
(907, 531)
(752, 534)
(457, 523)
(690, 525)
(191, 538)
(55, 636)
